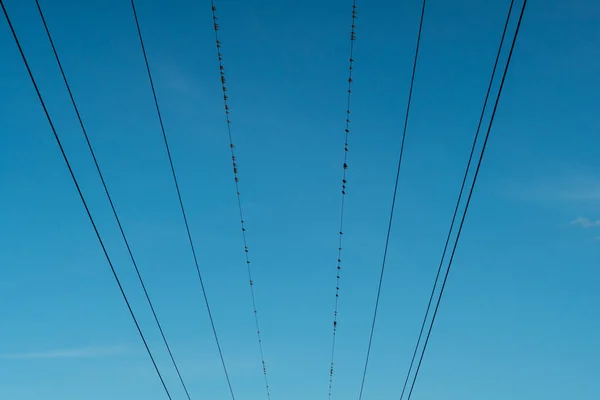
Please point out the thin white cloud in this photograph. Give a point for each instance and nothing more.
(585, 222)
(86, 352)
(564, 184)
(589, 194)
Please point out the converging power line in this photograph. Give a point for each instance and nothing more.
(89, 214)
(344, 183)
(183, 213)
(239, 197)
(389, 229)
(464, 215)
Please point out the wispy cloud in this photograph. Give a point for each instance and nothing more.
(585, 222)
(563, 184)
(85, 352)
(589, 194)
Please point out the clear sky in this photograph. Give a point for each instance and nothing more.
(519, 317)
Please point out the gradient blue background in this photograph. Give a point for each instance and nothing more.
(519, 318)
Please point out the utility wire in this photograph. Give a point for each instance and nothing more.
(462, 187)
(66, 159)
(185, 220)
(237, 189)
(344, 182)
(389, 230)
(469, 197)
(112, 206)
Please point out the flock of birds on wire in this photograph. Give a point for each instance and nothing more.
(424, 334)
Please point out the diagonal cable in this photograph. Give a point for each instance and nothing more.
(458, 201)
(68, 164)
(487, 135)
(237, 189)
(389, 230)
(112, 206)
(344, 183)
(185, 220)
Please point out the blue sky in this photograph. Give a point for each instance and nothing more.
(517, 320)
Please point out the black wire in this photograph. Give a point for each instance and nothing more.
(344, 182)
(389, 230)
(487, 135)
(187, 226)
(112, 206)
(114, 272)
(462, 187)
(239, 198)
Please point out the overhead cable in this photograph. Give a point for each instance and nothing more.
(389, 230)
(112, 206)
(344, 183)
(468, 198)
(91, 219)
(458, 201)
(183, 213)
(237, 189)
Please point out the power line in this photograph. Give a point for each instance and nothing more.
(185, 220)
(512, 47)
(66, 159)
(344, 182)
(462, 187)
(112, 206)
(237, 189)
(389, 230)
